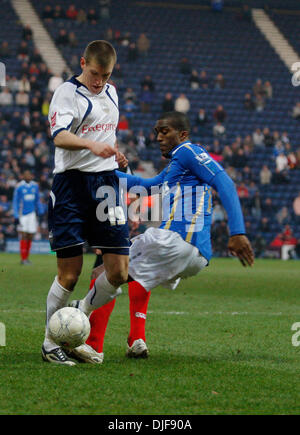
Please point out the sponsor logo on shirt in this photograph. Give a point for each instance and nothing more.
(203, 158)
(98, 127)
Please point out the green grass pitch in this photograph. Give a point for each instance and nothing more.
(221, 343)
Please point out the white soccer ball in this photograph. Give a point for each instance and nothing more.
(69, 327)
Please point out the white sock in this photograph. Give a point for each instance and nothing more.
(57, 298)
(102, 293)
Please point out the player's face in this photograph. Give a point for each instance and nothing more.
(168, 137)
(95, 76)
(27, 176)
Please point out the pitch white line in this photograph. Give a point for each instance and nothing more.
(182, 313)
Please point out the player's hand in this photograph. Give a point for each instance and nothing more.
(121, 160)
(240, 247)
(102, 149)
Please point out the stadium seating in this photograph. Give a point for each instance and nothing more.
(218, 43)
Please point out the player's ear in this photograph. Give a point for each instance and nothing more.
(184, 134)
(82, 62)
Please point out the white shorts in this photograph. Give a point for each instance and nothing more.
(162, 257)
(28, 223)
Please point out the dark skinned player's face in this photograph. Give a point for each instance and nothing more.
(168, 137)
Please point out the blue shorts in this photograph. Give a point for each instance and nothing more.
(79, 212)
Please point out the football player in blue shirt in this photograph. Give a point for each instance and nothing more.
(26, 207)
(181, 246)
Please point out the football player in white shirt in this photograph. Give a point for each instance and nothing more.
(83, 118)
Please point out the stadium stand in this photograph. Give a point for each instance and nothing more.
(226, 43)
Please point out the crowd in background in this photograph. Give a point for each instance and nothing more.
(25, 141)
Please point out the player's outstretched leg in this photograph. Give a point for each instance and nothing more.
(92, 350)
(138, 304)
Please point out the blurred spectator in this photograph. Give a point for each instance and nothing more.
(268, 137)
(280, 177)
(62, 38)
(5, 50)
(267, 207)
(168, 103)
(203, 80)
(296, 208)
(285, 137)
(185, 66)
(146, 99)
(283, 216)
(130, 94)
(248, 142)
(132, 54)
(81, 16)
(143, 44)
(201, 118)
(219, 130)
(239, 160)
(71, 12)
(194, 79)
(58, 12)
(296, 111)
(147, 81)
(118, 75)
(258, 88)
(264, 225)
(259, 245)
(129, 108)
(268, 89)
(265, 175)
(292, 159)
(281, 162)
(6, 97)
(22, 98)
(219, 82)
(258, 138)
(73, 41)
(219, 114)
(227, 155)
(23, 51)
(259, 103)
(48, 13)
(104, 9)
(218, 213)
(27, 33)
(182, 104)
(92, 16)
(54, 82)
(35, 56)
(248, 102)
(123, 128)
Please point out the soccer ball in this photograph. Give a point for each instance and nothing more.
(69, 327)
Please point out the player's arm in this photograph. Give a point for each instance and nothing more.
(238, 244)
(16, 203)
(204, 167)
(69, 141)
(147, 183)
(62, 113)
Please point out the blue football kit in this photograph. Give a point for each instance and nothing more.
(186, 187)
(26, 199)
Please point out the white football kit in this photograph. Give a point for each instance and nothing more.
(95, 117)
(162, 257)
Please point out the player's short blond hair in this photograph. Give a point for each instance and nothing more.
(102, 52)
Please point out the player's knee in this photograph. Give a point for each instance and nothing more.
(68, 279)
(117, 277)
